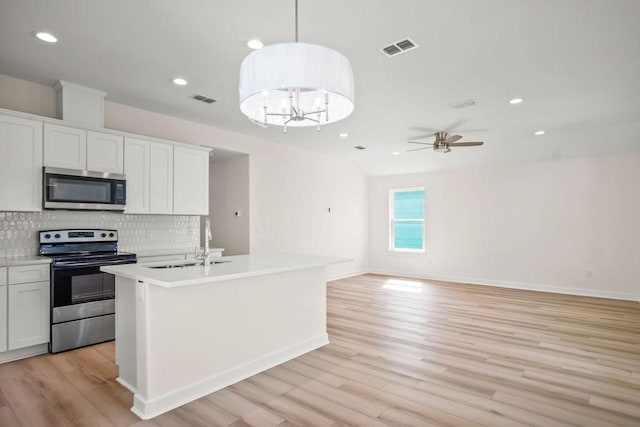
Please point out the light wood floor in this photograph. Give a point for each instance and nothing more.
(402, 352)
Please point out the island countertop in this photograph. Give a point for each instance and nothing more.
(233, 267)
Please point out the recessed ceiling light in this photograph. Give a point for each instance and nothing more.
(45, 37)
(539, 132)
(255, 44)
(179, 81)
(396, 153)
(515, 101)
(344, 135)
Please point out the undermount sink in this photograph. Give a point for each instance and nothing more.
(188, 264)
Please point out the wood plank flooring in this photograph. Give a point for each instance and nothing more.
(403, 352)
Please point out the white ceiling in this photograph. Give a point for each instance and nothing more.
(575, 62)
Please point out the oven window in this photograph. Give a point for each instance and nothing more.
(86, 190)
(92, 287)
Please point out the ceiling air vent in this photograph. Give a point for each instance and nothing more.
(204, 99)
(464, 104)
(360, 147)
(399, 47)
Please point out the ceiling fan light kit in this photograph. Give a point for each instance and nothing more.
(296, 84)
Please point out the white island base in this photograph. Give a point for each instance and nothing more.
(175, 344)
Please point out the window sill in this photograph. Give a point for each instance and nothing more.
(407, 251)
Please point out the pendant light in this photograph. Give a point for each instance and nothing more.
(296, 84)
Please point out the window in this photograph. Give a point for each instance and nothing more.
(406, 220)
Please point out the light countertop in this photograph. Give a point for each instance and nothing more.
(239, 266)
(24, 260)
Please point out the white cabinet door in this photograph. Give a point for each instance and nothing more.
(3, 318)
(65, 147)
(136, 168)
(28, 314)
(20, 164)
(161, 178)
(190, 181)
(105, 152)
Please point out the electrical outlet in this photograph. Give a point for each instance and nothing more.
(589, 274)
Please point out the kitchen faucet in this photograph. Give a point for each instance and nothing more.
(206, 255)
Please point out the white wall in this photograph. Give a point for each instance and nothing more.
(289, 188)
(540, 225)
(229, 193)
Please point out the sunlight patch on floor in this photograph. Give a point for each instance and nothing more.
(411, 286)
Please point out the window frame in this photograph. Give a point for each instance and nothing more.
(393, 220)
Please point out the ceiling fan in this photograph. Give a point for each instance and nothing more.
(443, 143)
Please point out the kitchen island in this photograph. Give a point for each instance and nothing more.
(183, 332)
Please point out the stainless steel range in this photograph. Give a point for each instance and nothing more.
(82, 297)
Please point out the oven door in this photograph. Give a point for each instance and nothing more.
(80, 285)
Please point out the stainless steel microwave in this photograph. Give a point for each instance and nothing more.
(83, 190)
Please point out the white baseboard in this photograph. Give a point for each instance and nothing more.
(147, 409)
(516, 285)
(344, 275)
(23, 353)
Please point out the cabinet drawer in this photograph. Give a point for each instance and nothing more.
(3, 276)
(28, 274)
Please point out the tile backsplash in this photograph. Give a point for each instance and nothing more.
(19, 230)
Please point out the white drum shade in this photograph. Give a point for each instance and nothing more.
(321, 74)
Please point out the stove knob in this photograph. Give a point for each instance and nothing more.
(57, 236)
(103, 235)
(111, 234)
(47, 236)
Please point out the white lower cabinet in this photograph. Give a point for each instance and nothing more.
(28, 314)
(3, 317)
(24, 306)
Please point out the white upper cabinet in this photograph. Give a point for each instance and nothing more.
(136, 168)
(190, 181)
(105, 152)
(161, 178)
(65, 147)
(20, 164)
(149, 171)
(71, 148)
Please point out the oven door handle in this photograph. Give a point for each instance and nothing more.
(74, 264)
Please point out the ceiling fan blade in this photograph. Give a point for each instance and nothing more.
(431, 131)
(429, 135)
(455, 125)
(452, 138)
(466, 144)
(418, 149)
(418, 142)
